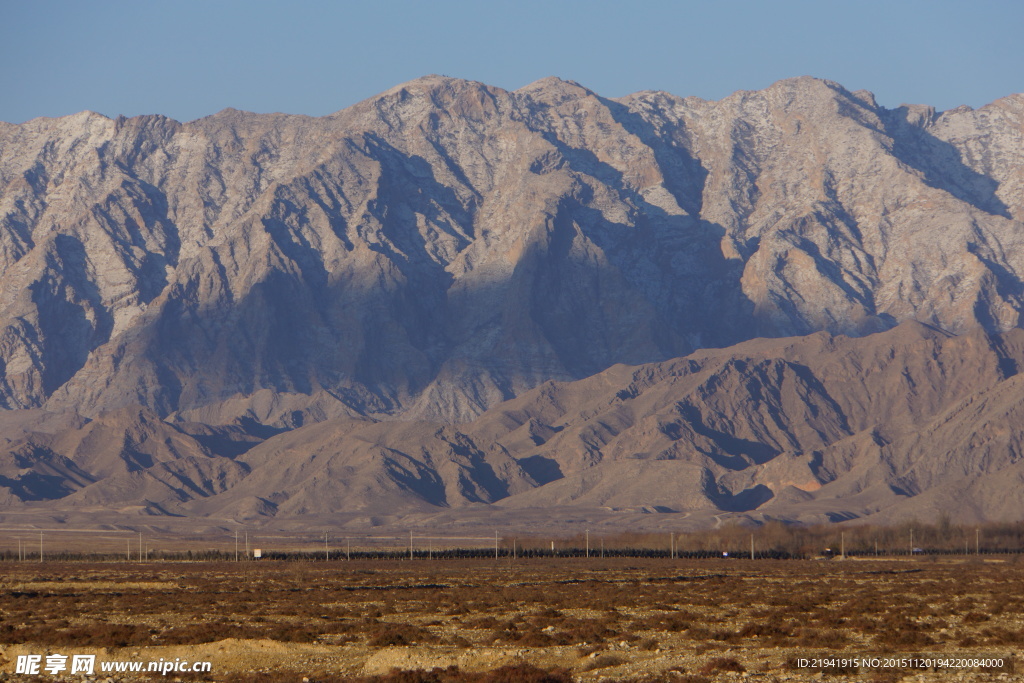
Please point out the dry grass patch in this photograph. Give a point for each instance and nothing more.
(640, 614)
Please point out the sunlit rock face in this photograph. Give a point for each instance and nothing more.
(213, 317)
(446, 245)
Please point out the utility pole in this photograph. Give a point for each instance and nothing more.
(140, 546)
(842, 545)
(588, 543)
(327, 552)
(751, 546)
(236, 545)
(911, 542)
(977, 540)
(410, 545)
(672, 545)
(348, 548)
(495, 544)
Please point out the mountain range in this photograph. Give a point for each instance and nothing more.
(454, 299)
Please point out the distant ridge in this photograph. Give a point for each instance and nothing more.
(189, 312)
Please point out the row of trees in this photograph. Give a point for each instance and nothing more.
(791, 540)
(772, 540)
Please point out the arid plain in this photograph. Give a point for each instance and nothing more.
(536, 619)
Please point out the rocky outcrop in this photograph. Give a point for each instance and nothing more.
(447, 245)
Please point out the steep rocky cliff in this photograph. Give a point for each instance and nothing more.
(446, 245)
(214, 317)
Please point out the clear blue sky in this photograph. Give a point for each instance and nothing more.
(188, 59)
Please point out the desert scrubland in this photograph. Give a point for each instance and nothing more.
(541, 619)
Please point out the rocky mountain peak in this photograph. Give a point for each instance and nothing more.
(791, 303)
(448, 245)
(554, 90)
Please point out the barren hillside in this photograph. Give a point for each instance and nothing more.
(788, 303)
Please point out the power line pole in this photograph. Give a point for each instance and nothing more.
(236, 545)
(327, 552)
(495, 544)
(588, 543)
